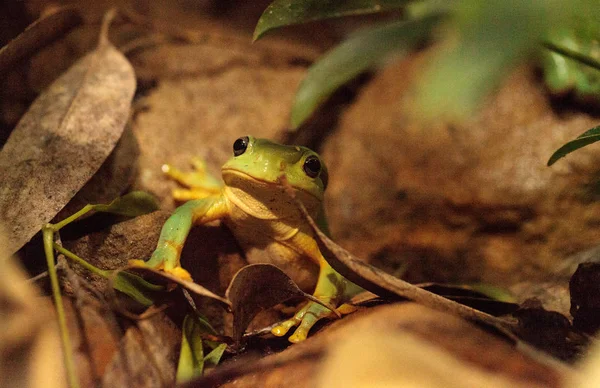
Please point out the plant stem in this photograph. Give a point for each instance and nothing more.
(575, 55)
(48, 236)
(70, 255)
(58, 226)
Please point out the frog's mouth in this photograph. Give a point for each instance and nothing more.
(261, 182)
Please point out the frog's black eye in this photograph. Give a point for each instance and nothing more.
(312, 166)
(240, 145)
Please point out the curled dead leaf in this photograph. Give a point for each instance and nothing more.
(62, 140)
(257, 287)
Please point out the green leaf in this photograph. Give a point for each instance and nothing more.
(359, 53)
(213, 358)
(191, 358)
(133, 204)
(137, 288)
(586, 138)
(288, 12)
(492, 37)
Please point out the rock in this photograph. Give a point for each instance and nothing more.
(202, 115)
(461, 202)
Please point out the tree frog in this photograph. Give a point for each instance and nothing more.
(253, 204)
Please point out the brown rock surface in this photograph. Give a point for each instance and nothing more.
(464, 202)
(203, 114)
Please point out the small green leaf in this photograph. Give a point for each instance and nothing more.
(133, 204)
(191, 358)
(586, 138)
(136, 287)
(288, 12)
(359, 53)
(493, 36)
(213, 358)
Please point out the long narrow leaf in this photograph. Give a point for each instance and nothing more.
(359, 53)
(586, 138)
(191, 357)
(288, 12)
(132, 204)
(213, 358)
(136, 287)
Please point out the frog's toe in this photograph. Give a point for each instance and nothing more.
(305, 319)
(137, 263)
(180, 273)
(346, 308)
(285, 326)
(301, 332)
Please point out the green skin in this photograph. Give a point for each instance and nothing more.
(254, 205)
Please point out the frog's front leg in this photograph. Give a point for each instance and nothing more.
(175, 231)
(200, 182)
(333, 289)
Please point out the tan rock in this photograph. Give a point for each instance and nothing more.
(461, 202)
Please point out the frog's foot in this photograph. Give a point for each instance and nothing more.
(346, 308)
(136, 263)
(200, 183)
(178, 272)
(305, 319)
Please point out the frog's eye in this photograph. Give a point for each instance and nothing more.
(312, 166)
(240, 145)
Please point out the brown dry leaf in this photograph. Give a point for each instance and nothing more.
(469, 296)
(63, 139)
(255, 288)
(412, 346)
(429, 334)
(29, 341)
(590, 370)
(147, 355)
(376, 358)
(188, 285)
(39, 34)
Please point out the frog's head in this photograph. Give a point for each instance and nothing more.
(259, 163)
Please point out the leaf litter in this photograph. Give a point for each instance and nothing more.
(63, 139)
(383, 283)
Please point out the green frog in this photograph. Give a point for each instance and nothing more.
(263, 218)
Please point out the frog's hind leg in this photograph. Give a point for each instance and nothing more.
(200, 183)
(333, 289)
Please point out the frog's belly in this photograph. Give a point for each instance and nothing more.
(259, 247)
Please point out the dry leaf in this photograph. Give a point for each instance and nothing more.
(63, 139)
(188, 285)
(255, 288)
(377, 357)
(147, 355)
(474, 352)
(471, 297)
(39, 34)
